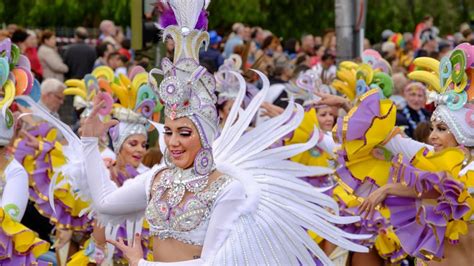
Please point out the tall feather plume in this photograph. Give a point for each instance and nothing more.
(183, 13)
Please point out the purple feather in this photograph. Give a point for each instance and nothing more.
(201, 24)
(167, 18)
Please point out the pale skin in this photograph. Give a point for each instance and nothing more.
(415, 97)
(326, 118)
(183, 143)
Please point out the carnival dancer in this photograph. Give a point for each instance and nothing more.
(353, 81)
(225, 200)
(206, 214)
(426, 193)
(20, 245)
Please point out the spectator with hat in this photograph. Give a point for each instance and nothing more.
(212, 59)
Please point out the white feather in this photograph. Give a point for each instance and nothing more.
(281, 204)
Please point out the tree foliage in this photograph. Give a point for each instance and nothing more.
(64, 13)
(283, 17)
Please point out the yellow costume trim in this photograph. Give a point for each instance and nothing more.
(315, 236)
(24, 239)
(387, 243)
(57, 159)
(366, 161)
(450, 160)
(301, 135)
(79, 258)
(360, 153)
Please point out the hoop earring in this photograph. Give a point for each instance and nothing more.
(204, 162)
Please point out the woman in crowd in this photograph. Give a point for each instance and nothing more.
(51, 61)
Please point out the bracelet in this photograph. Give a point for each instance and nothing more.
(95, 253)
(346, 106)
(102, 246)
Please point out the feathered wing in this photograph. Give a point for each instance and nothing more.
(280, 206)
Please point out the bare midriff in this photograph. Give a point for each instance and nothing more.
(172, 250)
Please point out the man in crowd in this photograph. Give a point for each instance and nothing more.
(108, 32)
(79, 57)
(326, 69)
(52, 95)
(307, 44)
(414, 112)
(118, 63)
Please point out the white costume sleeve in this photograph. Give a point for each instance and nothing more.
(107, 198)
(328, 144)
(230, 205)
(15, 193)
(406, 146)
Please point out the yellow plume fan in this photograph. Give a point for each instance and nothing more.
(76, 83)
(347, 76)
(348, 65)
(344, 89)
(91, 95)
(426, 77)
(140, 79)
(9, 90)
(104, 85)
(104, 72)
(125, 81)
(137, 82)
(428, 63)
(76, 91)
(366, 73)
(121, 93)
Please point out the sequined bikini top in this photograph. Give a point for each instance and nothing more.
(187, 223)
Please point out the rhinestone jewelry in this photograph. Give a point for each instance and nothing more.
(169, 220)
(178, 181)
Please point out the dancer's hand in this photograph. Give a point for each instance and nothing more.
(30, 140)
(371, 202)
(133, 253)
(92, 126)
(271, 110)
(333, 100)
(63, 237)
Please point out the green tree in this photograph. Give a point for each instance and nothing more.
(64, 13)
(285, 18)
